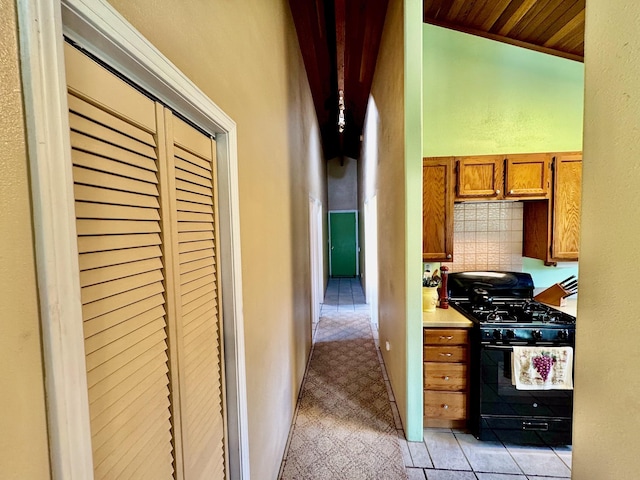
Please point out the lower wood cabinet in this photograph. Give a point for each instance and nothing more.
(446, 371)
(444, 409)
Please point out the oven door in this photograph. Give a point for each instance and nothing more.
(502, 407)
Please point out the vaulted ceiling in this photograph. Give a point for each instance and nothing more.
(340, 39)
(550, 26)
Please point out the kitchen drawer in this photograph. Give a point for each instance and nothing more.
(445, 376)
(445, 405)
(445, 336)
(445, 353)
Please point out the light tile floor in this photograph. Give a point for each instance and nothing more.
(447, 454)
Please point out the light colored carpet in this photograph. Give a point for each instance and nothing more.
(344, 426)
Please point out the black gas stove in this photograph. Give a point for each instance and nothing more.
(501, 306)
(517, 320)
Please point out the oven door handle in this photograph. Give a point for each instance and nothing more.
(535, 426)
(489, 346)
(497, 347)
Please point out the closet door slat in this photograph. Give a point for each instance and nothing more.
(118, 219)
(197, 299)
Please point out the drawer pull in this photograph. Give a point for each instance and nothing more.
(445, 406)
(446, 354)
(446, 337)
(445, 378)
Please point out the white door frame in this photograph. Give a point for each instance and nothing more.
(315, 252)
(371, 255)
(103, 32)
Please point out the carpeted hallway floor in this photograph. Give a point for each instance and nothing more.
(344, 426)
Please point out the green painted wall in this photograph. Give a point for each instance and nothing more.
(485, 97)
(413, 214)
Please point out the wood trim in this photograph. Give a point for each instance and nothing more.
(503, 39)
(103, 32)
(47, 122)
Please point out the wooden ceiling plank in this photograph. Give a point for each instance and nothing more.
(498, 8)
(572, 42)
(544, 16)
(517, 16)
(426, 7)
(339, 13)
(568, 11)
(454, 11)
(552, 12)
(476, 15)
(534, 17)
(436, 8)
(573, 24)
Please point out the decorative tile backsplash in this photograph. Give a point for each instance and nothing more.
(487, 236)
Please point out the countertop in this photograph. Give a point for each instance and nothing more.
(451, 318)
(445, 318)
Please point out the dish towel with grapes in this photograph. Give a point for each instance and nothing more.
(542, 368)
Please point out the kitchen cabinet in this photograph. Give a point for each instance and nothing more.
(551, 229)
(527, 176)
(503, 177)
(480, 177)
(437, 209)
(446, 369)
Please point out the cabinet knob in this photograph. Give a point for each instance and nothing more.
(446, 354)
(445, 378)
(497, 192)
(511, 192)
(449, 255)
(445, 406)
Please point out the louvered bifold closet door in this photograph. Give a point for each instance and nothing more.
(115, 133)
(197, 300)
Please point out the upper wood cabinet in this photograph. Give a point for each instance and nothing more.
(500, 177)
(480, 177)
(527, 175)
(437, 209)
(567, 200)
(552, 227)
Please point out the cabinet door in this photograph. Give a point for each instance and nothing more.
(480, 177)
(566, 206)
(527, 176)
(437, 209)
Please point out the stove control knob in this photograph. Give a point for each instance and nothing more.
(563, 334)
(511, 334)
(497, 334)
(536, 334)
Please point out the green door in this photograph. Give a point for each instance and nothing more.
(344, 249)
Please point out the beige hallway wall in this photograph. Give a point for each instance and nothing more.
(607, 384)
(24, 451)
(245, 57)
(383, 166)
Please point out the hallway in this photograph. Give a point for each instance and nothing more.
(344, 426)
(445, 454)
